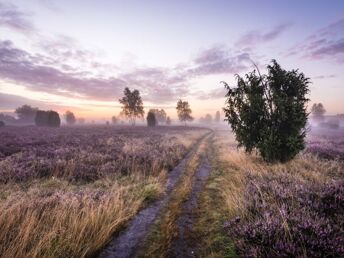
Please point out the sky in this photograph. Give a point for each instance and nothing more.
(80, 55)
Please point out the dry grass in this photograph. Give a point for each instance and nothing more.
(54, 217)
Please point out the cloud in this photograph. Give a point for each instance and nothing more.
(325, 76)
(219, 60)
(326, 43)
(255, 37)
(11, 17)
(218, 93)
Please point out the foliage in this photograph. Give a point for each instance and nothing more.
(290, 218)
(47, 118)
(2, 123)
(184, 111)
(70, 117)
(8, 119)
(318, 111)
(160, 115)
(268, 112)
(168, 121)
(26, 114)
(217, 117)
(151, 119)
(132, 105)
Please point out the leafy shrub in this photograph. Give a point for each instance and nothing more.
(268, 112)
(151, 120)
(2, 123)
(290, 218)
(47, 118)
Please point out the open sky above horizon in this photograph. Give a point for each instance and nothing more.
(80, 55)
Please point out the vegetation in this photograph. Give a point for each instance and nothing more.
(47, 118)
(184, 111)
(318, 111)
(132, 105)
(70, 118)
(217, 117)
(168, 120)
(114, 120)
(160, 115)
(268, 112)
(2, 123)
(26, 114)
(151, 120)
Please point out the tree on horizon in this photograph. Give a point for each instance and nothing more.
(184, 111)
(132, 105)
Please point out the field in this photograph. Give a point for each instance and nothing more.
(81, 191)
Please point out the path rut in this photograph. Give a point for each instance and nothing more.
(184, 245)
(128, 241)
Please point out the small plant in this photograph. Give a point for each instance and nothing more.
(268, 112)
(151, 120)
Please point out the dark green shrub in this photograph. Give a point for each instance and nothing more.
(47, 118)
(268, 112)
(151, 120)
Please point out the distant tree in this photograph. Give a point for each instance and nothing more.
(151, 119)
(47, 118)
(69, 117)
(2, 123)
(318, 111)
(26, 114)
(132, 105)
(184, 111)
(81, 120)
(7, 119)
(217, 117)
(168, 121)
(114, 120)
(208, 118)
(160, 115)
(107, 123)
(268, 112)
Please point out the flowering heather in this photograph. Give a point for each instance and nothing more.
(86, 153)
(287, 217)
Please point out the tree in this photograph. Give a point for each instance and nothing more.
(268, 112)
(160, 115)
(7, 119)
(217, 117)
(114, 120)
(81, 120)
(70, 118)
(26, 114)
(184, 111)
(47, 118)
(151, 119)
(168, 121)
(208, 118)
(132, 105)
(318, 111)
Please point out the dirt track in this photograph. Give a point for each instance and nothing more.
(127, 242)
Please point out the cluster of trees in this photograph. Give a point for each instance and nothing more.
(47, 118)
(207, 119)
(132, 109)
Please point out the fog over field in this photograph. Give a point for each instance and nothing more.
(171, 128)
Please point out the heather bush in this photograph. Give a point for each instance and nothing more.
(287, 217)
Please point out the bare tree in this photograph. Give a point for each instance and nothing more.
(132, 105)
(184, 111)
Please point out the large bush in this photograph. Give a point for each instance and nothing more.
(268, 112)
(151, 119)
(47, 118)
